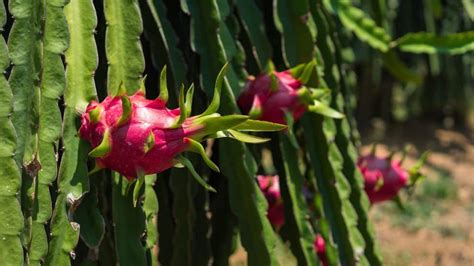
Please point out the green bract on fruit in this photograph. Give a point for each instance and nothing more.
(135, 136)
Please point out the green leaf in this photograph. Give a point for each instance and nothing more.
(246, 138)
(320, 108)
(424, 42)
(215, 123)
(258, 125)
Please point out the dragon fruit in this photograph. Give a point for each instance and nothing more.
(270, 187)
(383, 177)
(135, 136)
(280, 96)
(320, 248)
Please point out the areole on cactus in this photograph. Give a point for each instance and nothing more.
(135, 136)
(282, 96)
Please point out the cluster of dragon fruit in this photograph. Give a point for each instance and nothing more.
(135, 136)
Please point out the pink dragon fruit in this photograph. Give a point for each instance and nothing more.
(270, 187)
(383, 177)
(275, 95)
(320, 248)
(135, 136)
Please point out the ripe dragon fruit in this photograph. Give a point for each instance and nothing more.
(384, 177)
(270, 187)
(320, 248)
(280, 96)
(135, 136)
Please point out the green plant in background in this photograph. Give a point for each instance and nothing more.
(56, 210)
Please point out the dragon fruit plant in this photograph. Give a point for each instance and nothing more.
(135, 136)
(270, 187)
(385, 177)
(283, 97)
